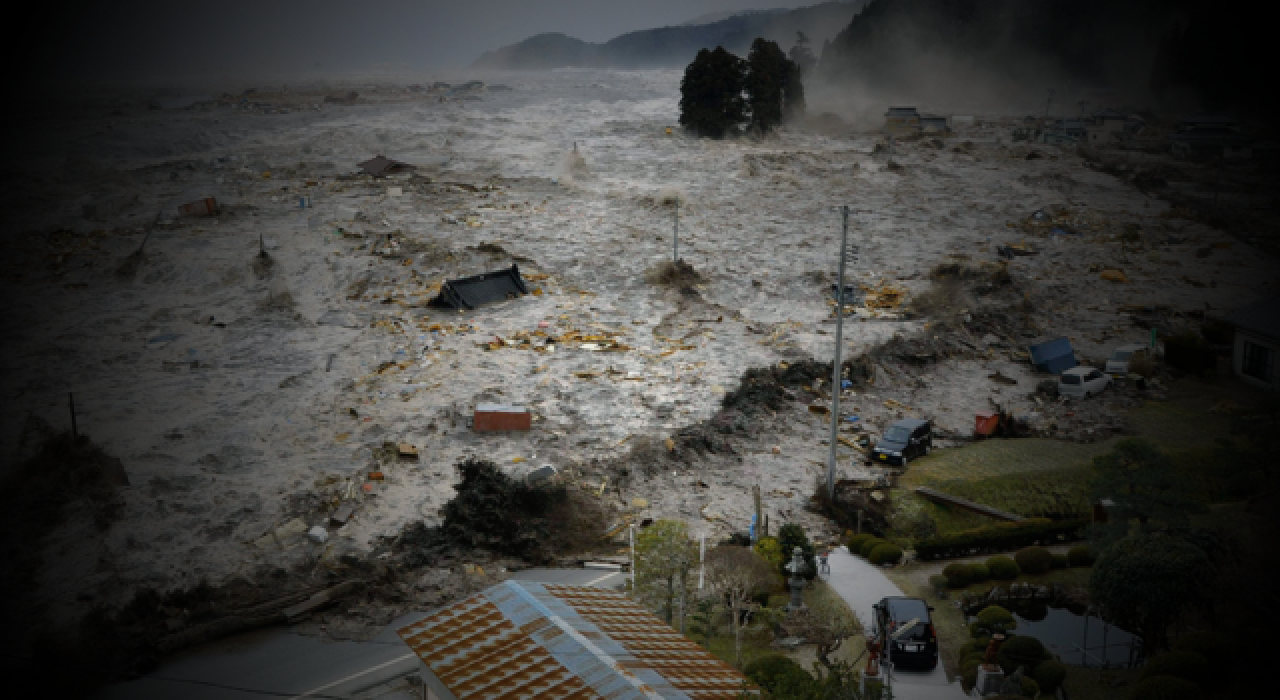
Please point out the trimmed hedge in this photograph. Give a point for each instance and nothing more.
(1021, 650)
(1049, 674)
(980, 572)
(1165, 688)
(885, 554)
(1059, 561)
(996, 615)
(1187, 665)
(774, 671)
(1034, 560)
(938, 581)
(865, 550)
(1003, 568)
(958, 574)
(854, 542)
(999, 538)
(1080, 555)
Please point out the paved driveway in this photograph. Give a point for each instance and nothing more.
(862, 585)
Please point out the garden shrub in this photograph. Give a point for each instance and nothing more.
(770, 550)
(886, 554)
(958, 574)
(1021, 650)
(979, 571)
(1030, 688)
(1059, 561)
(994, 618)
(1187, 665)
(1049, 674)
(865, 550)
(1080, 555)
(978, 644)
(1208, 644)
(773, 671)
(1033, 560)
(1003, 568)
(1190, 352)
(938, 581)
(999, 537)
(1165, 688)
(854, 542)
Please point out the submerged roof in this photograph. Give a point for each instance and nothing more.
(485, 288)
(523, 639)
(381, 165)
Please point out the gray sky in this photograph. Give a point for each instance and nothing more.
(148, 37)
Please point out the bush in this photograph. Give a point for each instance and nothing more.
(994, 618)
(1080, 555)
(1049, 674)
(1165, 688)
(958, 574)
(1190, 352)
(1021, 650)
(1209, 645)
(1003, 568)
(854, 542)
(886, 554)
(980, 572)
(1030, 688)
(770, 550)
(774, 671)
(938, 581)
(1000, 537)
(1059, 561)
(865, 550)
(1187, 665)
(1033, 560)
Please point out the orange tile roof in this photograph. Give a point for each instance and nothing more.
(522, 639)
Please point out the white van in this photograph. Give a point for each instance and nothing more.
(1082, 382)
(1118, 363)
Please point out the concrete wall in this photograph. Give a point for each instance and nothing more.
(1237, 358)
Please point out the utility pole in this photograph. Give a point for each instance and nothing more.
(71, 398)
(675, 254)
(1048, 102)
(845, 254)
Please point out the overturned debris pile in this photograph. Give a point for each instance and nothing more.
(494, 512)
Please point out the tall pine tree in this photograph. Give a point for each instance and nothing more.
(711, 102)
(773, 86)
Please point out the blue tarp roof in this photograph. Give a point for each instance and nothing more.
(1053, 356)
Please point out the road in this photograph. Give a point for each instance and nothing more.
(279, 663)
(862, 585)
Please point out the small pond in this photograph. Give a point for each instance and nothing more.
(1066, 630)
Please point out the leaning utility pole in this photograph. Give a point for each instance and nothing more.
(675, 254)
(1048, 102)
(846, 255)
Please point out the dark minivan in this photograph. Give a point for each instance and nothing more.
(917, 647)
(903, 441)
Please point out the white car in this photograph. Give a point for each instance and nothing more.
(1118, 363)
(1082, 382)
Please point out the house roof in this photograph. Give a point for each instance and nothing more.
(1109, 114)
(522, 639)
(485, 288)
(380, 165)
(902, 112)
(1262, 317)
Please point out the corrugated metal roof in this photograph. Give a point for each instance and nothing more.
(522, 639)
(486, 288)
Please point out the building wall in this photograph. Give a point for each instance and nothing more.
(897, 126)
(1237, 359)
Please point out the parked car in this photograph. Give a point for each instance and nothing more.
(904, 441)
(917, 647)
(1118, 363)
(1082, 382)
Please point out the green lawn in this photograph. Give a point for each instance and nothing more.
(1047, 477)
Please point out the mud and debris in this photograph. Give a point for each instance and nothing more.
(249, 368)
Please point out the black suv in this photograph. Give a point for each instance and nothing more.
(903, 441)
(915, 648)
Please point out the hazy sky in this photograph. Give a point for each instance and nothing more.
(147, 37)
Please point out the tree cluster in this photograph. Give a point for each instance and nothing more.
(721, 94)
